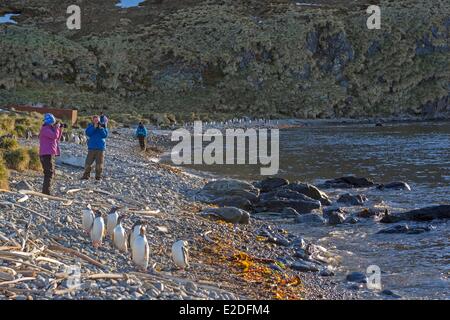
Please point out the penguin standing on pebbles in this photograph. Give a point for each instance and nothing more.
(140, 250)
(119, 236)
(111, 221)
(135, 231)
(180, 254)
(97, 230)
(88, 218)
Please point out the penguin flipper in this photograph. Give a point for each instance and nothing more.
(146, 253)
(186, 255)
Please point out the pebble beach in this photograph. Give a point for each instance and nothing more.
(42, 242)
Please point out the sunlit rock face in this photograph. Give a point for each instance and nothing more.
(230, 58)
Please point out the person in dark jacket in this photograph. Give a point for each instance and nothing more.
(141, 134)
(49, 136)
(97, 134)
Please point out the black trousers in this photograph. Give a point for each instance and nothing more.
(48, 164)
(142, 142)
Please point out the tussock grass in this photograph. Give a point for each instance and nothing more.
(4, 175)
(17, 159)
(8, 144)
(35, 162)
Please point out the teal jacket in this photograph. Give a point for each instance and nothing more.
(141, 132)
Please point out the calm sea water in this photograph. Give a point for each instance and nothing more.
(416, 266)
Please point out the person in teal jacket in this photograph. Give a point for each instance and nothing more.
(97, 134)
(141, 134)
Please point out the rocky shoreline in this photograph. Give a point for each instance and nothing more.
(41, 239)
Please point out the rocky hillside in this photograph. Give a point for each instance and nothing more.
(221, 58)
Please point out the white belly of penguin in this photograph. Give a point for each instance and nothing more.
(120, 238)
(97, 230)
(88, 219)
(134, 234)
(111, 224)
(140, 252)
(179, 257)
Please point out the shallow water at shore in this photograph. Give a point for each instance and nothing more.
(415, 266)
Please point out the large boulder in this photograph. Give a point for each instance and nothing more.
(310, 191)
(233, 201)
(281, 199)
(424, 214)
(250, 196)
(349, 182)
(372, 213)
(284, 194)
(229, 187)
(270, 184)
(354, 200)
(228, 214)
(334, 216)
(286, 213)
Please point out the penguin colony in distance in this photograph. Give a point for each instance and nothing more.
(77, 138)
(244, 122)
(94, 225)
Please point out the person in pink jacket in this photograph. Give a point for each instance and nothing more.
(49, 136)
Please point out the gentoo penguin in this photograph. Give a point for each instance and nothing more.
(98, 229)
(180, 254)
(76, 139)
(119, 236)
(139, 250)
(88, 218)
(111, 221)
(134, 232)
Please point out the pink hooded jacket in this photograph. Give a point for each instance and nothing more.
(49, 140)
